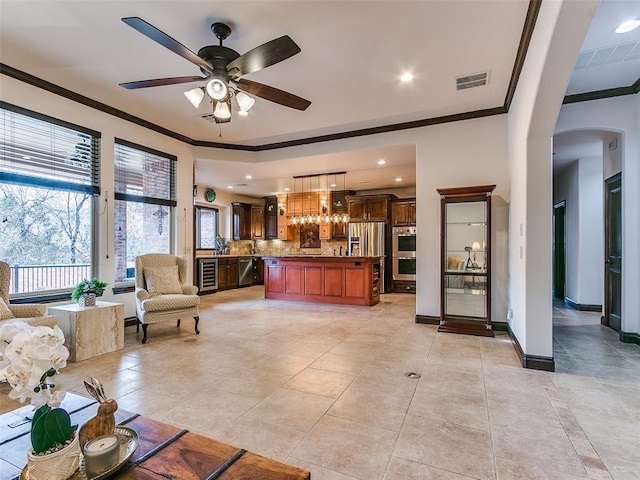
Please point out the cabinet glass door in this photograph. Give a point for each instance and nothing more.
(465, 293)
(465, 260)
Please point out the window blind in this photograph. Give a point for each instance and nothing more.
(42, 151)
(144, 175)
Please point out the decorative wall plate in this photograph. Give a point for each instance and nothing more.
(210, 194)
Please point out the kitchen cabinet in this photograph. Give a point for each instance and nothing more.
(369, 208)
(465, 259)
(227, 273)
(257, 223)
(339, 230)
(241, 221)
(258, 271)
(403, 212)
(271, 217)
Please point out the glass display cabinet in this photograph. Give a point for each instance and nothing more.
(465, 299)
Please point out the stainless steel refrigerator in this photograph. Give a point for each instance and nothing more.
(368, 240)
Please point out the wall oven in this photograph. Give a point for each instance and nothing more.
(404, 253)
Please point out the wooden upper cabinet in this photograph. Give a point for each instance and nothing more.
(241, 220)
(339, 206)
(369, 208)
(257, 223)
(303, 204)
(271, 217)
(403, 212)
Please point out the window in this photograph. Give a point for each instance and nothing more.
(49, 176)
(206, 227)
(145, 194)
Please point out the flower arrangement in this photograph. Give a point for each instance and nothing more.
(88, 286)
(29, 358)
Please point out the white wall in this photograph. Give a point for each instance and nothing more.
(559, 32)
(591, 232)
(565, 187)
(621, 115)
(581, 186)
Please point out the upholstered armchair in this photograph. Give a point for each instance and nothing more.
(31, 313)
(161, 293)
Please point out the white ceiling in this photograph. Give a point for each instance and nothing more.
(353, 53)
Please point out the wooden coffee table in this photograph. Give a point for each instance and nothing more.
(164, 451)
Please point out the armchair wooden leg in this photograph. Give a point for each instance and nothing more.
(144, 332)
(178, 324)
(138, 325)
(197, 319)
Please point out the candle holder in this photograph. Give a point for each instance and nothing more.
(100, 454)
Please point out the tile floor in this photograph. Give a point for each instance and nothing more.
(324, 387)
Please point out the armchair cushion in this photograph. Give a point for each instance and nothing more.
(170, 302)
(28, 310)
(5, 311)
(162, 280)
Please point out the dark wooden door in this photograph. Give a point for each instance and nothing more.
(559, 250)
(613, 253)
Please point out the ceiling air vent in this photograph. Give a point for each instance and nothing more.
(470, 81)
(209, 117)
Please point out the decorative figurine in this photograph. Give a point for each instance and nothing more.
(104, 422)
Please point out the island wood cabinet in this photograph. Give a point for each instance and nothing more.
(465, 273)
(241, 220)
(369, 208)
(339, 280)
(403, 212)
(227, 272)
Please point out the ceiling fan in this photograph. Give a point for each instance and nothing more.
(223, 68)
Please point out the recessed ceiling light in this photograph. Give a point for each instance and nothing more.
(398, 179)
(381, 162)
(364, 182)
(333, 185)
(248, 177)
(406, 77)
(230, 187)
(628, 26)
(286, 189)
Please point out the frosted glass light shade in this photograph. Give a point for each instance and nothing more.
(245, 102)
(195, 96)
(217, 89)
(222, 111)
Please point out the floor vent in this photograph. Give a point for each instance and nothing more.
(471, 81)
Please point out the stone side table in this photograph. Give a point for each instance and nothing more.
(91, 331)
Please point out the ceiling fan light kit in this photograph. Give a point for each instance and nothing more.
(195, 96)
(223, 68)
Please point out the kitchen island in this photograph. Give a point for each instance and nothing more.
(323, 279)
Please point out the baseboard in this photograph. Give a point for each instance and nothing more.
(533, 362)
(628, 337)
(500, 326)
(582, 306)
(131, 321)
(428, 319)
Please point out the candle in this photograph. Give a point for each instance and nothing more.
(100, 454)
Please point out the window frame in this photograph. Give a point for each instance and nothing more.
(51, 182)
(171, 202)
(197, 226)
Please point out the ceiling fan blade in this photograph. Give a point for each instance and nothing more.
(263, 56)
(273, 94)
(165, 40)
(160, 82)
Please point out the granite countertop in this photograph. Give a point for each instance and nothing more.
(318, 256)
